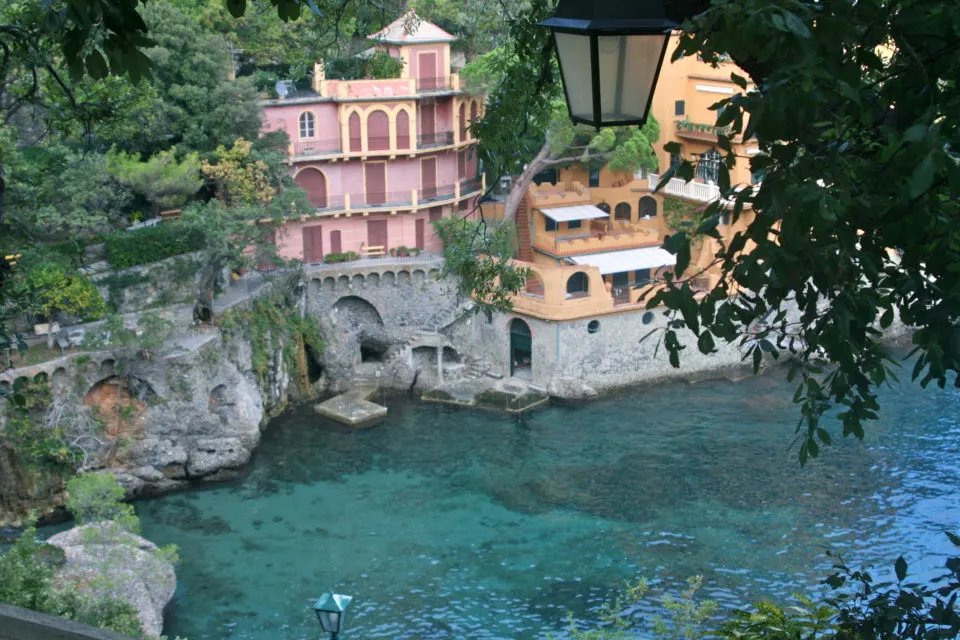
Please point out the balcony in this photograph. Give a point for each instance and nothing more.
(698, 191)
(316, 148)
(700, 131)
(435, 84)
(595, 237)
(438, 139)
(412, 199)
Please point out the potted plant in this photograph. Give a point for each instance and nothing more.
(415, 251)
(393, 252)
(402, 251)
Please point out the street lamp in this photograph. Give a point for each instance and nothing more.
(331, 611)
(610, 54)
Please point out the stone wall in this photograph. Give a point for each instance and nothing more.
(159, 283)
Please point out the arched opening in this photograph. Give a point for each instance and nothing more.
(403, 130)
(534, 286)
(355, 312)
(648, 207)
(314, 368)
(473, 112)
(708, 167)
(59, 380)
(5, 388)
(622, 212)
(463, 122)
(40, 378)
(353, 124)
(521, 349)
(315, 184)
(378, 131)
(308, 129)
(108, 367)
(372, 350)
(578, 285)
(450, 356)
(593, 327)
(603, 206)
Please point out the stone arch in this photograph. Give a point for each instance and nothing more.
(450, 356)
(521, 349)
(378, 130)
(578, 285)
(20, 382)
(41, 378)
(403, 129)
(389, 279)
(403, 277)
(315, 287)
(622, 212)
(329, 285)
(358, 281)
(603, 206)
(314, 182)
(354, 133)
(220, 402)
(433, 274)
(343, 282)
(648, 207)
(120, 402)
(419, 276)
(108, 367)
(5, 387)
(358, 311)
(58, 381)
(373, 280)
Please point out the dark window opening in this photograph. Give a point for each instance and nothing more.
(708, 168)
(595, 177)
(549, 224)
(372, 352)
(603, 206)
(574, 224)
(314, 368)
(679, 108)
(548, 176)
(593, 327)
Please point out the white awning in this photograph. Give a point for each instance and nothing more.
(576, 212)
(629, 260)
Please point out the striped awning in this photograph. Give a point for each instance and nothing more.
(575, 212)
(627, 260)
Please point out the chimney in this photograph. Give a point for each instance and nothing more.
(319, 75)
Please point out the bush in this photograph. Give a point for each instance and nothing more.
(333, 258)
(130, 248)
(51, 287)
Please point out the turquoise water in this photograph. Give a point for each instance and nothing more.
(447, 523)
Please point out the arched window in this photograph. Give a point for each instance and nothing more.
(403, 130)
(648, 207)
(463, 122)
(622, 212)
(603, 206)
(354, 130)
(308, 128)
(708, 168)
(578, 286)
(378, 131)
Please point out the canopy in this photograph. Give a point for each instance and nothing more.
(628, 260)
(575, 212)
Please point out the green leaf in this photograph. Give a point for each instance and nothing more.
(96, 65)
(824, 436)
(673, 147)
(795, 25)
(900, 566)
(886, 319)
(705, 342)
(922, 177)
(238, 7)
(954, 538)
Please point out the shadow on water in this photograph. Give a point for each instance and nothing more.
(478, 525)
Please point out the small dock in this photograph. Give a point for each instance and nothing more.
(511, 395)
(354, 407)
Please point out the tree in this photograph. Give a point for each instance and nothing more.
(238, 177)
(162, 180)
(50, 288)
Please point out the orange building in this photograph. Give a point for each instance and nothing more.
(593, 238)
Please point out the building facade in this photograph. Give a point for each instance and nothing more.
(380, 159)
(592, 239)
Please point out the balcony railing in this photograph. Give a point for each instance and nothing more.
(470, 185)
(699, 191)
(442, 192)
(438, 139)
(378, 143)
(387, 200)
(701, 130)
(308, 148)
(328, 203)
(440, 83)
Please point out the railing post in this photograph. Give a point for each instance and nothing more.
(456, 190)
(346, 202)
(414, 199)
(483, 182)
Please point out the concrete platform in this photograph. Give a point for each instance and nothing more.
(510, 395)
(352, 408)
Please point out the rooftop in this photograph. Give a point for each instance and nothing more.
(411, 29)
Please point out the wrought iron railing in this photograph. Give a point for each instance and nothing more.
(327, 203)
(387, 199)
(437, 139)
(471, 185)
(442, 192)
(307, 148)
(378, 143)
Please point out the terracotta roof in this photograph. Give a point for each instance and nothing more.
(422, 31)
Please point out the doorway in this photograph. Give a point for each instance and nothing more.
(377, 233)
(521, 350)
(420, 228)
(312, 244)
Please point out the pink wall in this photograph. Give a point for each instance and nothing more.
(287, 117)
(413, 53)
(445, 115)
(401, 230)
(402, 173)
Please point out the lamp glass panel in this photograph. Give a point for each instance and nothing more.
(329, 620)
(628, 68)
(574, 53)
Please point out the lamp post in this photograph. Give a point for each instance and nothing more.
(610, 54)
(331, 610)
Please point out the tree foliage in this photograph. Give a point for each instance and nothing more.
(51, 288)
(238, 177)
(162, 180)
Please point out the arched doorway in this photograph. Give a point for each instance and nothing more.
(648, 208)
(378, 131)
(315, 184)
(521, 350)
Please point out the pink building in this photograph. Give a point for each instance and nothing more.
(380, 159)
